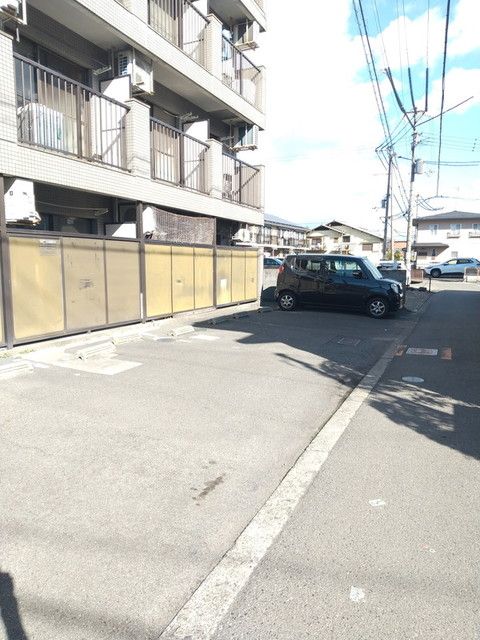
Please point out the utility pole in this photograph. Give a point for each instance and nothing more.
(388, 206)
(408, 251)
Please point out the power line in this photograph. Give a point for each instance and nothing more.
(442, 104)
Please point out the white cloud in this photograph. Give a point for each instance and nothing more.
(322, 121)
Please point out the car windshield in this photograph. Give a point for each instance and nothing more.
(372, 269)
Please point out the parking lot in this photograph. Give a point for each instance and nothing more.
(128, 476)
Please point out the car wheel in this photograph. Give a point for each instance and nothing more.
(435, 273)
(287, 301)
(377, 307)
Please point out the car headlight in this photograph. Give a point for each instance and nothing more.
(396, 287)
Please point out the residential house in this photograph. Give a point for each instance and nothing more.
(443, 236)
(339, 237)
(124, 119)
(277, 237)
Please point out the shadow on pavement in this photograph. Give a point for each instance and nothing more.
(11, 619)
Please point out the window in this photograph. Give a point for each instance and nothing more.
(342, 267)
(451, 261)
(367, 246)
(307, 264)
(422, 254)
(433, 229)
(475, 226)
(464, 261)
(345, 238)
(455, 227)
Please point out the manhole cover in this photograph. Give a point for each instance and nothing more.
(412, 379)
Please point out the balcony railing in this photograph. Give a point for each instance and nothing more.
(240, 74)
(177, 157)
(474, 234)
(182, 24)
(453, 234)
(57, 113)
(241, 182)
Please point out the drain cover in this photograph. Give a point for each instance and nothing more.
(412, 379)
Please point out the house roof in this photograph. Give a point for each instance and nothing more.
(451, 215)
(428, 245)
(281, 222)
(340, 227)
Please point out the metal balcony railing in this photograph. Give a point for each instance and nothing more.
(240, 74)
(182, 24)
(241, 182)
(57, 113)
(453, 234)
(474, 234)
(177, 157)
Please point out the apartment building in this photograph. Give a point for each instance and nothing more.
(338, 237)
(123, 119)
(443, 236)
(276, 237)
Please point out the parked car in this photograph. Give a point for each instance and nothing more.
(455, 266)
(272, 262)
(390, 265)
(337, 281)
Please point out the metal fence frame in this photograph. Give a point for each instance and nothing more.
(239, 72)
(57, 113)
(177, 157)
(182, 24)
(241, 182)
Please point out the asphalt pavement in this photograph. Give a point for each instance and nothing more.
(126, 478)
(385, 542)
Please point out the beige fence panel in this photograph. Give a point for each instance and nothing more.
(37, 296)
(84, 280)
(123, 281)
(203, 278)
(2, 320)
(158, 273)
(238, 276)
(182, 279)
(224, 276)
(251, 275)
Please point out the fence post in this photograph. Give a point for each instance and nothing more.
(143, 274)
(78, 116)
(5, 271)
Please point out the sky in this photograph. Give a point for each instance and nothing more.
(322, 120)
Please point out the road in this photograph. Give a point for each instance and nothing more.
(385, 543)
(122, 492)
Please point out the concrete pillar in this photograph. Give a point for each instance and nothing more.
(214, 169)
(213, 46)
(138, 138)
(8, 111)
(260, 95)
(261, 184)
(137, 7)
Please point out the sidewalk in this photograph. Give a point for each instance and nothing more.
(385, 543)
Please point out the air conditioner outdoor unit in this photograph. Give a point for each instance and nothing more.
(245, 137)
(14, 10)
(20, 202)
(243, 235)
(42, 126)
(245, 34)
(138, 67)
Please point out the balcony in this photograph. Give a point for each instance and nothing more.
(177, 157)
(453, 234)
(56, 113)
(240, 74)
(474, 234)
(182, 24)
(241, 182)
